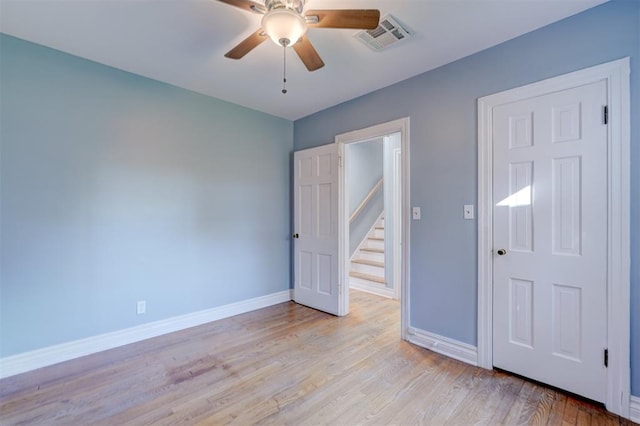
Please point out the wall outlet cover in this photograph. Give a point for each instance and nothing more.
(469, 212)
(415, 213)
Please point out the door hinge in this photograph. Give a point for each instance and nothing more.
(606, 357)
(340, 160)
(605, 114)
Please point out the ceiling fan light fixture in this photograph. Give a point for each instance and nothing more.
(284, 26)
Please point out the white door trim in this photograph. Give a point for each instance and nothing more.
(402, 126)
(397, 222)
(616, 74)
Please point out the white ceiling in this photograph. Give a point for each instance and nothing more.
(182, 42)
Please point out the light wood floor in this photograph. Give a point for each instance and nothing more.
(286, 364)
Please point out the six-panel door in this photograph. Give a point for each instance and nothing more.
(550, 218)
(316, 225)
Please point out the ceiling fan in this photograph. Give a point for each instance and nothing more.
(286, 23)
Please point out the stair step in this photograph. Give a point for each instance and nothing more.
(363, 268)
(370, 255)
(373, 250)
(374, 243)
(376, 238)
(367, 277)
(368, 262)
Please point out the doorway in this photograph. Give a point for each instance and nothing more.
(373, 198)
(395, 135)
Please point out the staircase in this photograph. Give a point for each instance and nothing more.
(367, 264)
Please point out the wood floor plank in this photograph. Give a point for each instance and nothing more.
(557, 409)
(511, 387)
(285, 365)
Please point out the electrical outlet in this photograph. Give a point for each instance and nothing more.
(141, 307)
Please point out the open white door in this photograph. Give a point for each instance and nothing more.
(316, 278)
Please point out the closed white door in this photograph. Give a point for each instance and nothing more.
(316, 281)
(550, 239)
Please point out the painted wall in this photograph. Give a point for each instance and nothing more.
(442, 107)
(392, 143)
(116, 188)
(364, 170)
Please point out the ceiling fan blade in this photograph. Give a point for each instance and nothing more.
(247, 45)
(357, 19)
(308, 54)
(246, 5)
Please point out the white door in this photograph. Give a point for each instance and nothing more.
(316, 281)
(550, 239)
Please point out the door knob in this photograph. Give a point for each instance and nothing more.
(502, 252)
(296, 236)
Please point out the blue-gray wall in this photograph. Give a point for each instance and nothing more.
(364, 170)
(442, 107)
(116, 188)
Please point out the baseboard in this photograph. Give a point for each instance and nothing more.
(634, 409)
(39, 358)
(444, 345)
(377, 289)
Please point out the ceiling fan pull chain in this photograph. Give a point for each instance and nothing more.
(284, 79)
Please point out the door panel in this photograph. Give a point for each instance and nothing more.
(550, 291)
(316, 281)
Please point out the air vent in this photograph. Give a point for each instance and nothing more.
(389, 32)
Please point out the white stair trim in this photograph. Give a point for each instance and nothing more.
(367, 287)
(50, 355)
(634, 409)
(360, 280)
(368, 277)
(443, 345)
(363, 243)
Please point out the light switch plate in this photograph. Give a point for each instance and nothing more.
(416, 213)
(469, 212)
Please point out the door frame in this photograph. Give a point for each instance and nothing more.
(397, 221)
(616, 74)
(396, 126)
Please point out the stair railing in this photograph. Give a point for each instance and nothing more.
(366, 200)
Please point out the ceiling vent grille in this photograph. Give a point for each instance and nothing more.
(390, 31)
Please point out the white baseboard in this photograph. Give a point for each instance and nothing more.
(444, 345)
(39, 358)
(634, 409)
(377, 289)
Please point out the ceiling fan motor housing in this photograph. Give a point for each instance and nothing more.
(295, 5)
(283, 24)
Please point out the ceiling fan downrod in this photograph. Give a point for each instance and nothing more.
(284, 43)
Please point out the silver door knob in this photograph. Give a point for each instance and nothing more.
(502, 252)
